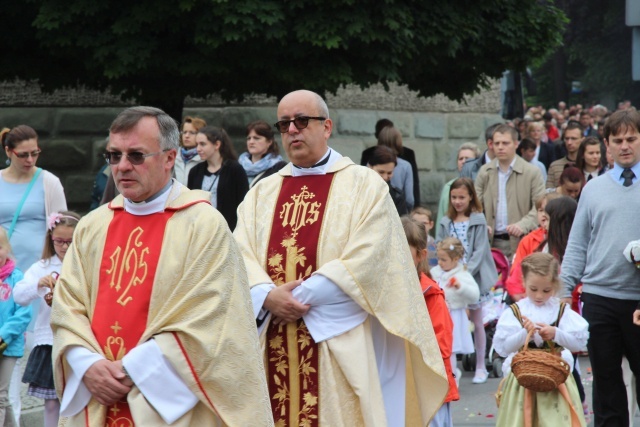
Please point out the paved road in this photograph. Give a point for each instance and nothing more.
(477, 405)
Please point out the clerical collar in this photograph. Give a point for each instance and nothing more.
(153, 204)
(320, 163)
(319, 168)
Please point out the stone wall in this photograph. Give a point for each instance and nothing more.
(72, 138)
(396, 97)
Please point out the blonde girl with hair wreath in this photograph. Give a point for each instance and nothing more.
(14, 320)
(39, 282)
(460, 290)
(551, 320)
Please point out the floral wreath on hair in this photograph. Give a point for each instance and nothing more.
(54, 219)
(632, 253)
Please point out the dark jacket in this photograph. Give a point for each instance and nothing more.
(233, 184)
(410, 156)
(397, 195)
(547, 154)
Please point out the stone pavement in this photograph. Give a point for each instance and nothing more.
(477, 405)
(32, 408)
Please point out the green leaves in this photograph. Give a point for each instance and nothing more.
(200, 47)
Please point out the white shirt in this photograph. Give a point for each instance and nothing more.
(26, 291)
(572, 332)
(502, 216)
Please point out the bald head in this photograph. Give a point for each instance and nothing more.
(307, 145)
(321, 105)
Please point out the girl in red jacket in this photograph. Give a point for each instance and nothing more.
(438, 311)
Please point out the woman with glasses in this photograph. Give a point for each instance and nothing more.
(262, 157)
(28, 195)
(219, 173)
(187, 157)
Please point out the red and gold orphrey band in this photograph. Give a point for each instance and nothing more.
(127, 272)
(292, 354)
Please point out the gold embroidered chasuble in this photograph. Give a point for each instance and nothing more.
(199, 312)
(361, 248)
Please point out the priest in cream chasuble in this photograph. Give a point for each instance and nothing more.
(155, 290)
(354, 345)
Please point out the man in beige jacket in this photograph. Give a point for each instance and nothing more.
(508, 187)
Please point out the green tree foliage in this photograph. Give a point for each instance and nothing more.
(159, 51)
(596, 51)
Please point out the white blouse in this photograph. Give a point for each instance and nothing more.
(572, 333)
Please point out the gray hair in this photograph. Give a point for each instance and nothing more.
(470, 146)
(323, 110)
(169, 138)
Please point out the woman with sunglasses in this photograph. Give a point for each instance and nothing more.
(219, 173)
(28, 195)
(187, 157)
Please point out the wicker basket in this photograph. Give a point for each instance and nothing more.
(539, 370)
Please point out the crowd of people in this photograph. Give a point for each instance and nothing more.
(320, 292)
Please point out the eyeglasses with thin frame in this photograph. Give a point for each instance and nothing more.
(300, 123)
(61, 242)
(135, 157)
(26, 155)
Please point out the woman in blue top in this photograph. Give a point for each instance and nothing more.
(29, 195)
(14, 320)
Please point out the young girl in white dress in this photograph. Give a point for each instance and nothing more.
(39, 282)
(460, 289)
(552, 321)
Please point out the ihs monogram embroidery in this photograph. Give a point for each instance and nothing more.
(128, 262)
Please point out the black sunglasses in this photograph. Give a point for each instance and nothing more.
(299, 122)
(135, 158)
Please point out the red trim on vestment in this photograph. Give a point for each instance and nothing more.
(193, 372)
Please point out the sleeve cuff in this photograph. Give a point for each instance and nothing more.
(152, 373)
(258, 295)
(332, 312)
(76, 395)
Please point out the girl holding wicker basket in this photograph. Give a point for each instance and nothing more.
(537, 336)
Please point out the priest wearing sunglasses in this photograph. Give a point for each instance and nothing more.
(346, 338)
(152, 320)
